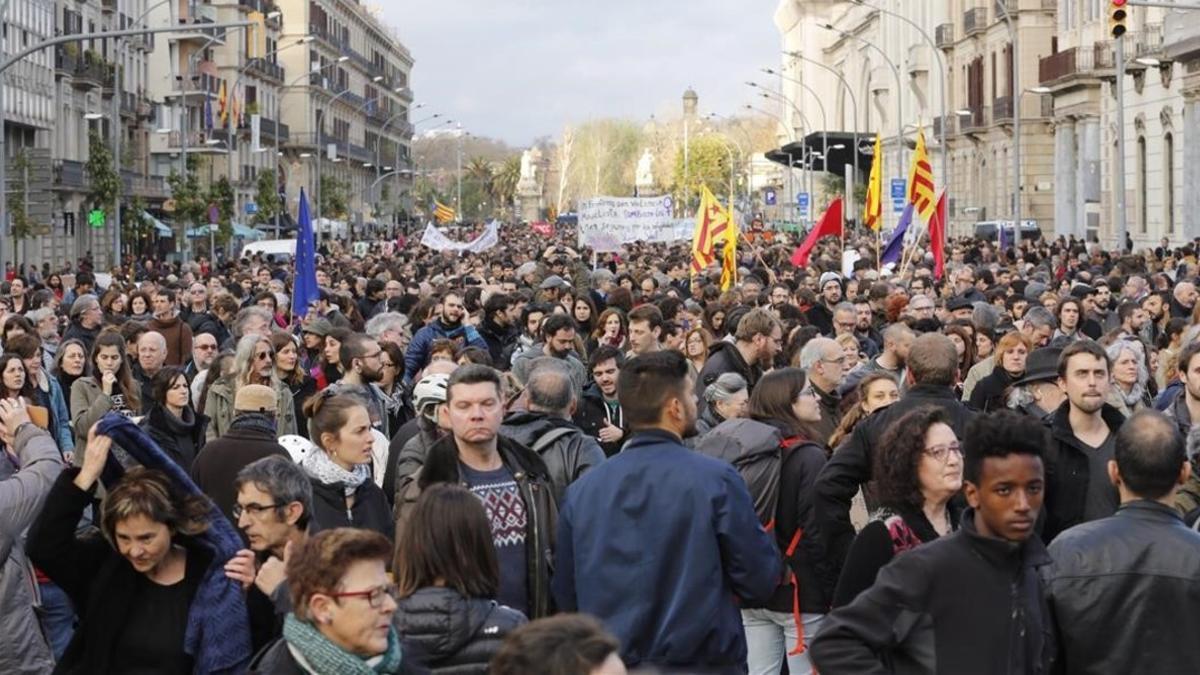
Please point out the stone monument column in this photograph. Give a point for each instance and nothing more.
(529, 186)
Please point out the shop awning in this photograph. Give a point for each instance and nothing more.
(159, 227)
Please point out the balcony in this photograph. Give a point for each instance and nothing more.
(203, 14)
(943, 35)
(128, 104)
(951, 127)
(975, 120)
(1075, 64)
(172, 142)
(975, 21)
(1148, 43)
(200, 84)
(1002, 110)
(108, 6)
(1181, 36)
(265, 69)
(327, 37)
(138, 185)
(93, 71)
(70, 175)
(65, 60)
(267, 128)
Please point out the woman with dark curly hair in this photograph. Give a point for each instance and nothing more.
(918, 470)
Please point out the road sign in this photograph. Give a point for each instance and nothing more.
(769, 197)
(251, 208)
(96, 218)
(804, 202)
(899, 195)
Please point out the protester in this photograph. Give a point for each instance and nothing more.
(45, 392)
(918, 471)
(28, 468)
(171, 420)
(652, 498)
(1037, 394)
(759, 338)
(251, 437)
(135, 588)
(969, 601)
(1142, 564)
(566, 644)
(447, 578)
(110, 388)
(342, 609)
(449, 325)
(299, 383)
(874, 391)
(177, 334)
(546, 427)
(725, 399)
(1012, 352)
(410, 446)
(340, 465)
(1128, 392)
(599, 413)
(511, 481)
(1084, 430)
(69, 364)
(253, 364)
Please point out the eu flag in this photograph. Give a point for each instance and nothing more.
(895, 246)
(304, 289)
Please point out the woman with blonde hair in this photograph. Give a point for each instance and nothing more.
(253, 364)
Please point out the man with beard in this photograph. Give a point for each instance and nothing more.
(176, 332)
(757, 340)
(558, 342)
(1155, 306)
(599, 413)
(625, 521)
(497, 328)
(449, 326)
(1084, 430)
(362, 360)
(1102, 307)
(821, 314)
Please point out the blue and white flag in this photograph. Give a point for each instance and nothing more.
(304, 291)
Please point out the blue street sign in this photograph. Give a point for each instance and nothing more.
(769, 197)
(804, 202)
(899, 195)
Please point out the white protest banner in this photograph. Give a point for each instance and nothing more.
(437, 240)
(605, 223)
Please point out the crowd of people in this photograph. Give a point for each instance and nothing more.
(536, 459)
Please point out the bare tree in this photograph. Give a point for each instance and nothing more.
(564, 165)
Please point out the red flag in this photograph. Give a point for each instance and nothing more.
(937, 235)
(830, 225)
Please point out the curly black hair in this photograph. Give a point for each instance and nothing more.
(899, 456)
(1000, 434)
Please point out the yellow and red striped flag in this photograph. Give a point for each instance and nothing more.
(442, 213)
(222, 104)
(873, 213)
(712, 224)
(920, 181)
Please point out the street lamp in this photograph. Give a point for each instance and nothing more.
(899, 92)
(690, 101)
(1014, 37)
(306, 76)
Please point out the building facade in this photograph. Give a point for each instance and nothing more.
(880, 73)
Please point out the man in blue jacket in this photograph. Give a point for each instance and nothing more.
(450, 325)
(660, 542)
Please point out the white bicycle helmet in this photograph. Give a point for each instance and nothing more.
(429, 392)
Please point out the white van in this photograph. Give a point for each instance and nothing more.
(280, 250)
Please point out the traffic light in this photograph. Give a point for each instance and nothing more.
(1117, 13)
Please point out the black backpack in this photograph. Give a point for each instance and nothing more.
(756, 450)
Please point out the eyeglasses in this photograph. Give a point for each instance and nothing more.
(207, 348)
(374, 596)
(255, 510)
(262, 356)
(841, 360)
(941, 453)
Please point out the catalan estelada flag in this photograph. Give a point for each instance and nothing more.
(920, 181)
(873, 213)
(442, 213)
(712, 225)
(222, 105)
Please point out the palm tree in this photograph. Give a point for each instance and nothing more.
(504, 182)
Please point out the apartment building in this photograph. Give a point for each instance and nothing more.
(347, 107)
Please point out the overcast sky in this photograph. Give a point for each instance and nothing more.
(520, 69)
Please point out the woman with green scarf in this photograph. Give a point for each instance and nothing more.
(343, 604)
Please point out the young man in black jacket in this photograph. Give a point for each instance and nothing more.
(599, 414)
(969, 602)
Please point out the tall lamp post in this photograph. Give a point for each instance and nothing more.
(690, 101)
(1016, 96)
(316, 137)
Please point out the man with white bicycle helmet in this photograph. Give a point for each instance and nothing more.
(406, 452)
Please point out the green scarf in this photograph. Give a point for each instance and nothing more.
(322, 656)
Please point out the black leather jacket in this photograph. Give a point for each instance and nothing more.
(1139, 568)
(567, 455)
(454, 634)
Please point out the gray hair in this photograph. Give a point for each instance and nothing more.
(844, 306)
(549, 385)
(1039, 316)
(1139, 353)
(385, 321)
(243, 357)
(156, 337)
(985, 316)
(725, 387)
(812, 352)
(602, 276)
(281, 478)
(244, 315)
(37, 315)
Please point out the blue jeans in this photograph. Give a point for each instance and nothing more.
(58, 618)
(771, 635)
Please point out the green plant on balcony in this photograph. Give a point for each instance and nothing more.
(105, 181)
(71, 50)
(92, 57)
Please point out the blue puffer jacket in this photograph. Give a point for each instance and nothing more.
(417, 356)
